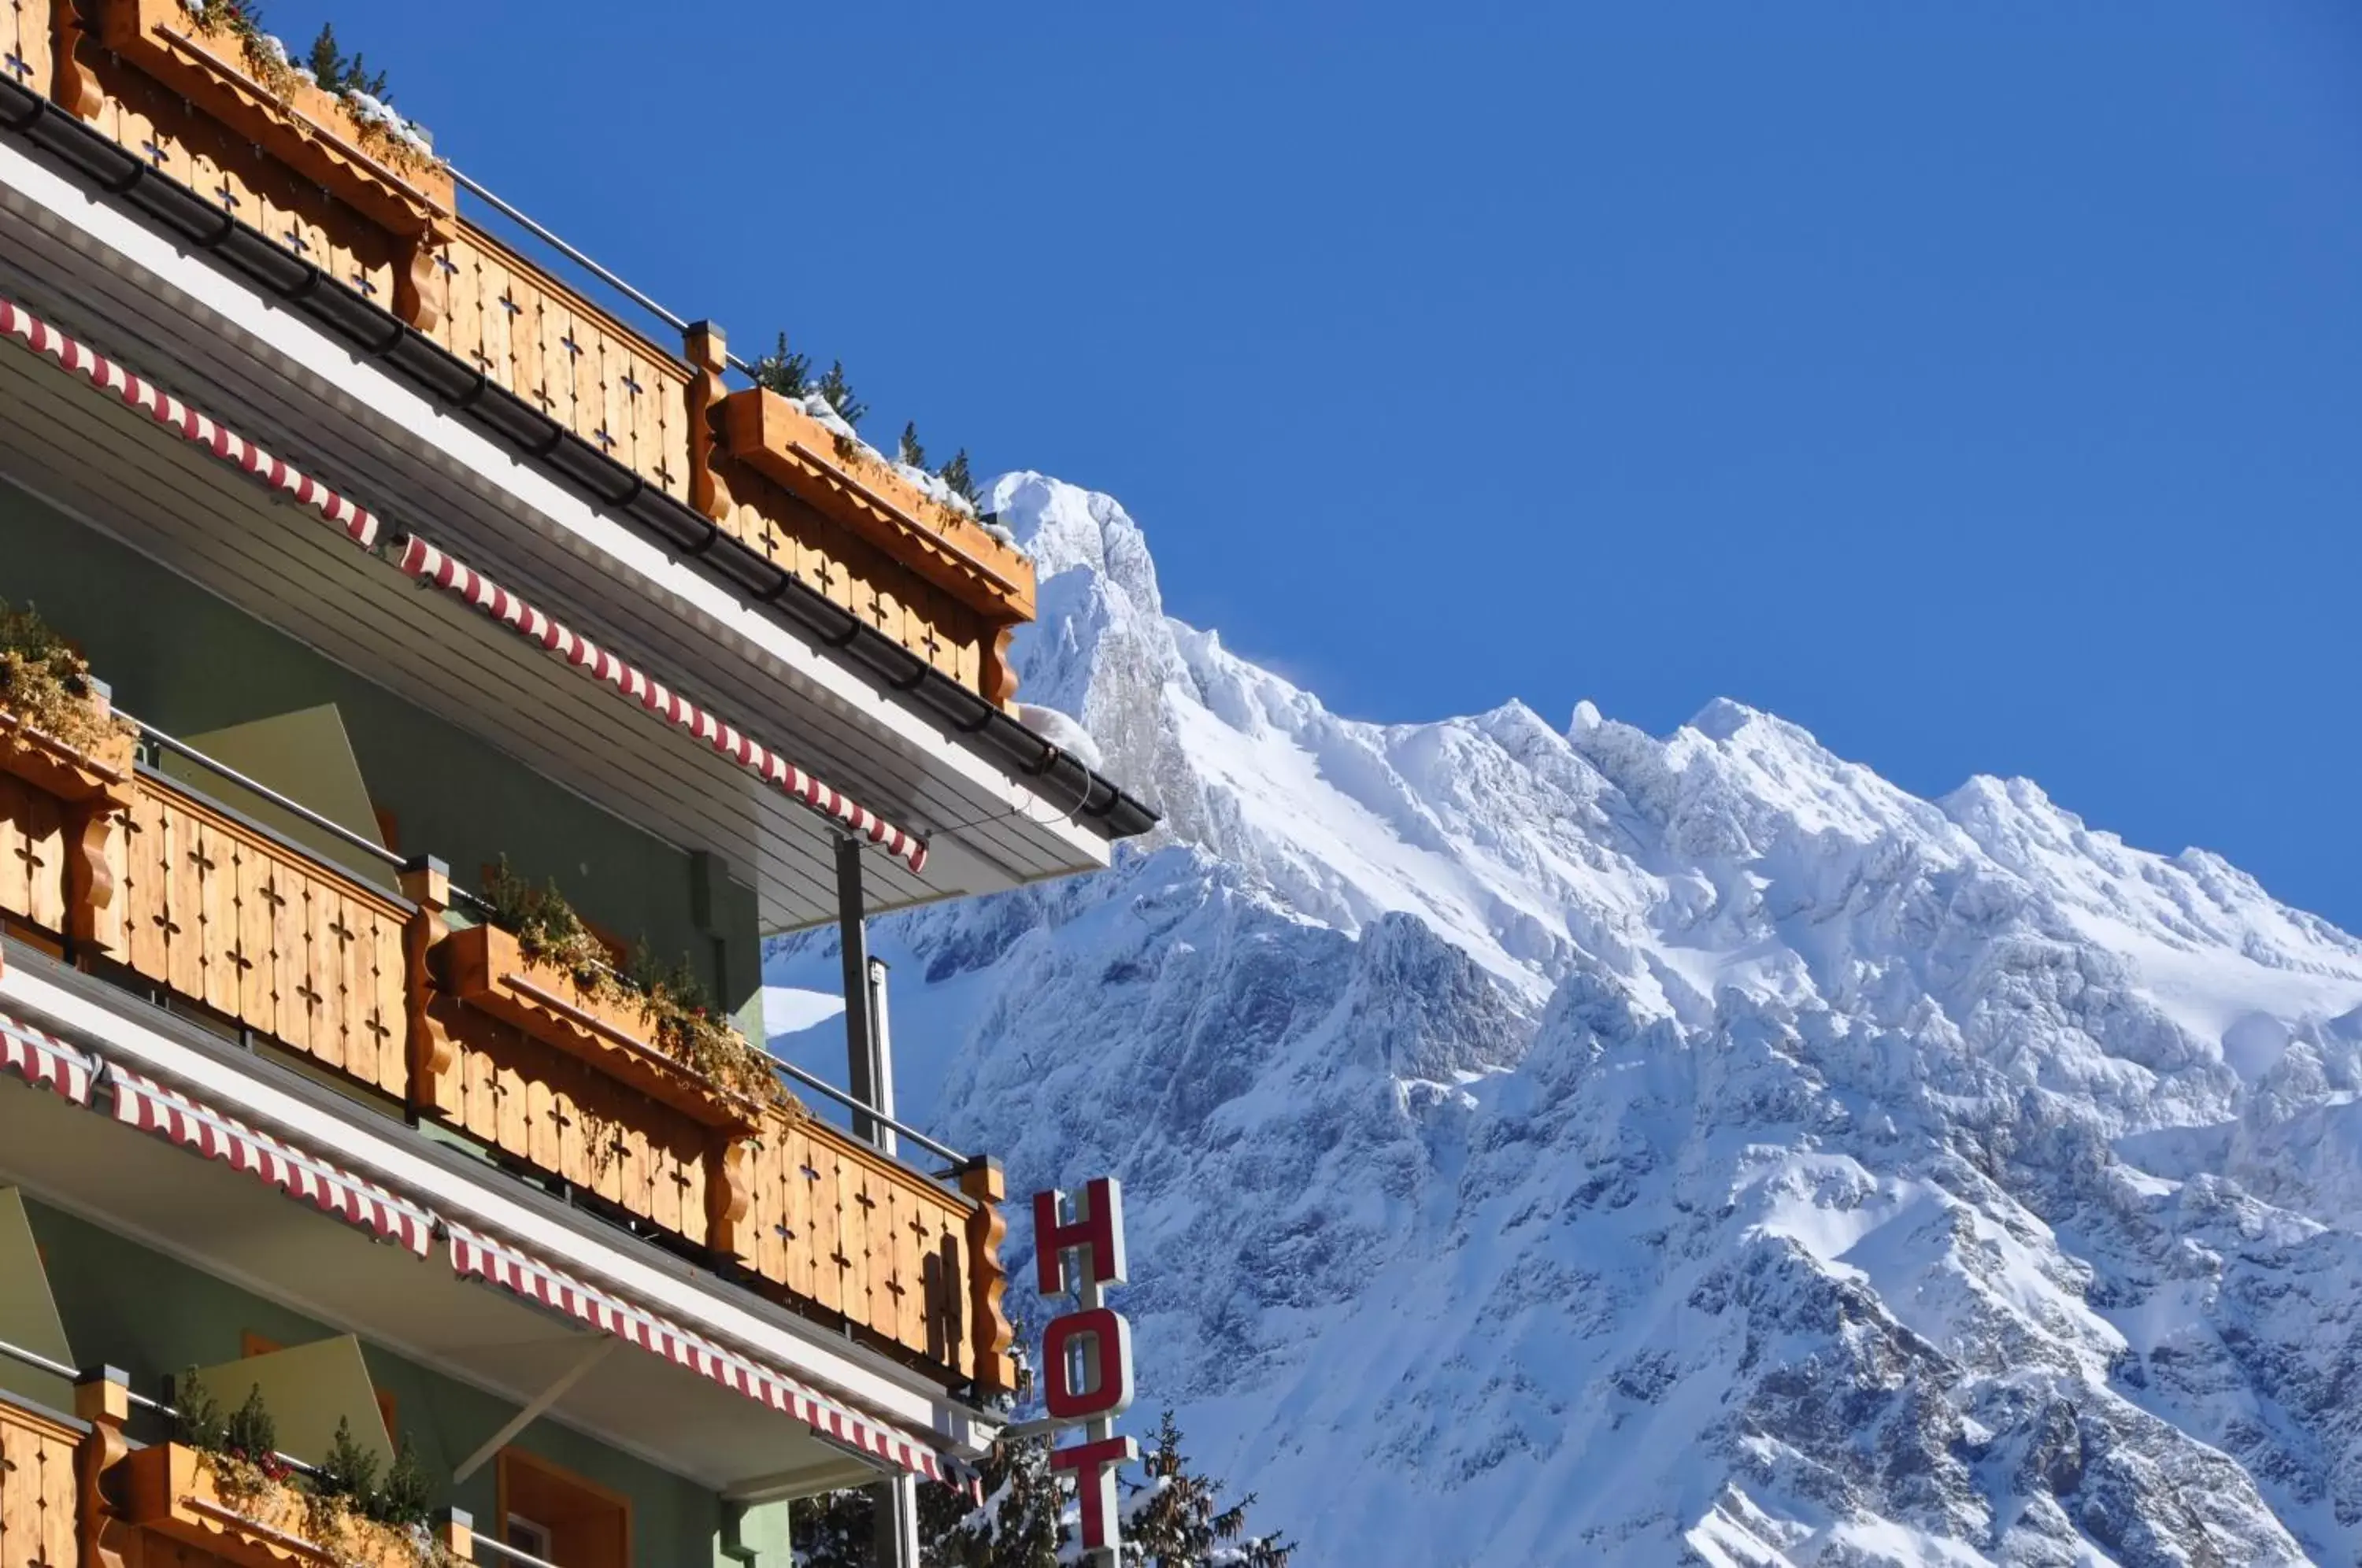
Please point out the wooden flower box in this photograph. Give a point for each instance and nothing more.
(486, 969)
(57, 806)
(180, 1493)
(310, 130)
(869, 497)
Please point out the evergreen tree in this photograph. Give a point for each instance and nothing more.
(249, 1434)
(340, 72)
(955, 474)
(1174, 1519)
(840, 395)
(788, 374)
(831, 1531)
(196, 1418)
(911, 452)
(1018, 1527)
(406, 1500)
(349, 1471)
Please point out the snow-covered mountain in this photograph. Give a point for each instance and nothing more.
(1570, 1146)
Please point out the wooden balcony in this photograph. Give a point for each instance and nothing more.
(40, 1514)
(80, 1492)
(295, 164)
(137, 875)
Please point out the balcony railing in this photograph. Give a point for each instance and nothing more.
(142, 877)
(295, 164)
(67, 1486)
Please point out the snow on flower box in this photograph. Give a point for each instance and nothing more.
(242, 1517)
(348, 144)
(858, 489)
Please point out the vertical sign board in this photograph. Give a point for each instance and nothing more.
(1087, 1353)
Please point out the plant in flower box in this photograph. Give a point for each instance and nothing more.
(46, 690)
(221, 1485)
(669, 1037)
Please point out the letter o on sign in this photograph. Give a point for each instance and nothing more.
(1096, 1344)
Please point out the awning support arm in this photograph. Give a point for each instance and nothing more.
(592, 1356)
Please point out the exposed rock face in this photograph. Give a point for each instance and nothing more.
(1582, 1146)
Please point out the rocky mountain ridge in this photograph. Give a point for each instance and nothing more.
(1579, 1147)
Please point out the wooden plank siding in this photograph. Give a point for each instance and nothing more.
(838, 1224)
(263, 935)
(38, 1493)
(544, 342)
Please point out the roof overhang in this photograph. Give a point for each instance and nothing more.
(277, 376)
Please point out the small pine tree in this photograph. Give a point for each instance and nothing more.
(912, 453)
(405, 1501)
(349, 1471)
(961, 482)
(196, 1418)
(1175, 1520)
(340, 72)
(1020, 1525)
(841, 396)
(788, 374)
(249, 1434)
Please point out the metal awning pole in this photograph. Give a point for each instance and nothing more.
(882, 1056)
(860, 1024)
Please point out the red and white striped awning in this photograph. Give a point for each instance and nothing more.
(358, 523)
(427, 564)
(151, 1108)
(45, 1061)
(422, 561)
(479, 1257)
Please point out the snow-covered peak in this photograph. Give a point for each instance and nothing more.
(1587, 1145)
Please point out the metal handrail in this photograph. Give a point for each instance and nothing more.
(295, 808)
(503, 1549)
(73, 1374)
(853, 1103)
(541, 232)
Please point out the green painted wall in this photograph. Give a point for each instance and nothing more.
(188, 663)
(124, 1305)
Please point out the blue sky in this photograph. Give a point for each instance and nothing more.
(1979, 387)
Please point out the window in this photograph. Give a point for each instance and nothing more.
(530, 1537)
(577, 1522)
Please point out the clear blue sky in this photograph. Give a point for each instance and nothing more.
(1980, 386)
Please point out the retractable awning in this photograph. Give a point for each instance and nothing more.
(427, 564)
(45, 1061)
(512, 1268)
(464, 582)
(150, 1107)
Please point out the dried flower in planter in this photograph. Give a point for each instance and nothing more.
(47, 684)
(687, 1025)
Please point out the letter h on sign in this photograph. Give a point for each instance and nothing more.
(1096, 1232)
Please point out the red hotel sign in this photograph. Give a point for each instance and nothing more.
(1087, 1353)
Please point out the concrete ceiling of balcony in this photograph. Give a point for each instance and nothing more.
(227, 1224)
(98, 276)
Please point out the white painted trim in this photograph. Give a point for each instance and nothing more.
(802, 1350)
(599, 538)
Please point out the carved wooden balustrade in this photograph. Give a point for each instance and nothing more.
(221, 911)
(80, 1492)
(296, 164)
(130, 873)
(40, 1513)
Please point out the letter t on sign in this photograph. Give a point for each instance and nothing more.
(1096, 1232)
